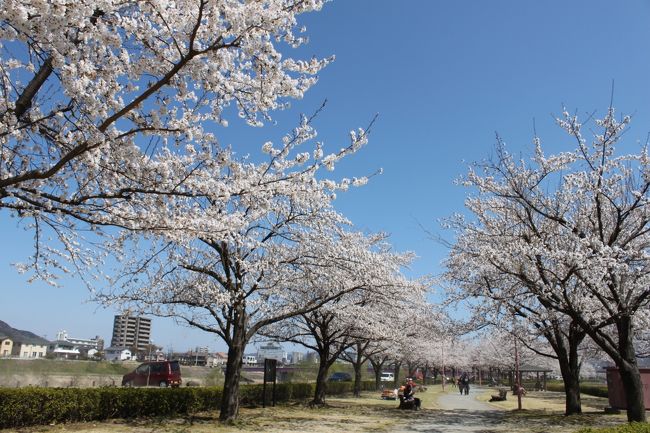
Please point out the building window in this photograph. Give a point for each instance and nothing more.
(25, 354)
(7, 343)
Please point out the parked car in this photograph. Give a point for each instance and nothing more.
(387, 377)
(159, 373)
(340, 377)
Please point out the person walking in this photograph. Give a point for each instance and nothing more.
(464, 380)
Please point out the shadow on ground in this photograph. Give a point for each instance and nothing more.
(490, 421)
(453, 421)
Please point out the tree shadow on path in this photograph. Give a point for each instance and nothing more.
(453, 421)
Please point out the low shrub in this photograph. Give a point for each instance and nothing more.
(634, 427)
(588, 389)
(22, 407)
(32, 406)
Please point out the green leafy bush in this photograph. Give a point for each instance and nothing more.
(33, 406)
(634, 427)
(587, 388)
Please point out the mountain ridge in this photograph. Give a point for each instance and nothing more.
(20, 335)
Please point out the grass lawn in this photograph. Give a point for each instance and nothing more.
(52, 366)
(543, 411)
(544, 400)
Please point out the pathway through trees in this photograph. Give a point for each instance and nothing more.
(457, 414)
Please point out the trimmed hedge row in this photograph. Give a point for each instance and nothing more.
(595, 390)
(22, 407)
(634, 427)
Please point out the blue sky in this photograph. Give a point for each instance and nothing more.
(443, 76)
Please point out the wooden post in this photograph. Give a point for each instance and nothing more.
(443, 367)
(518, 376)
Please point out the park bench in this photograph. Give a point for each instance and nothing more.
(501, 397)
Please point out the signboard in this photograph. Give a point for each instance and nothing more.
(270, 368)
(270, 373)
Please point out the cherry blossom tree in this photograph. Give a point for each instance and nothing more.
(357, 355)
(104, 104)
(374, 346)
(358, 315)
(373, 352)
(242, 262)
(421, 328)
(497, 300)
(378, 358)
(573, 230)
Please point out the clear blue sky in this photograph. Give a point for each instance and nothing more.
(443, 76)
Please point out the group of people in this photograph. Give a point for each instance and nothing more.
(463, 384)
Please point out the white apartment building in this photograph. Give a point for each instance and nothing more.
(271, 350)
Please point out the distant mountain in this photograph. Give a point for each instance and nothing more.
(18, 335)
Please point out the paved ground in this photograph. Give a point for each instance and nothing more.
(458, 414)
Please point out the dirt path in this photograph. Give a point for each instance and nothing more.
(457, 414)
(455, 401)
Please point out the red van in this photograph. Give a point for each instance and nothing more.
(158, 373)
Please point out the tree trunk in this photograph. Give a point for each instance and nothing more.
(425, 373)
(565, 345)
(230, 397)
(321, 379)
(357, 379)
(624, 356)
(411, 367)
(377, 366)
(629, 371)
(357, 364)
(571, 378)
(572, 387)
(396, 368)
(633, 388)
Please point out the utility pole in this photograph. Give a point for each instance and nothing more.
(517, 377)
(443, 366)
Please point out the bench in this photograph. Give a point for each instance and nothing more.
(501, 397)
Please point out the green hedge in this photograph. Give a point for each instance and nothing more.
(36, 406)
(625, 428)
(588, 389)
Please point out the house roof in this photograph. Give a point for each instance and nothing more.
(116, 349)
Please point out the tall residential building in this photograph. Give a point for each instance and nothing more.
(131, 332)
